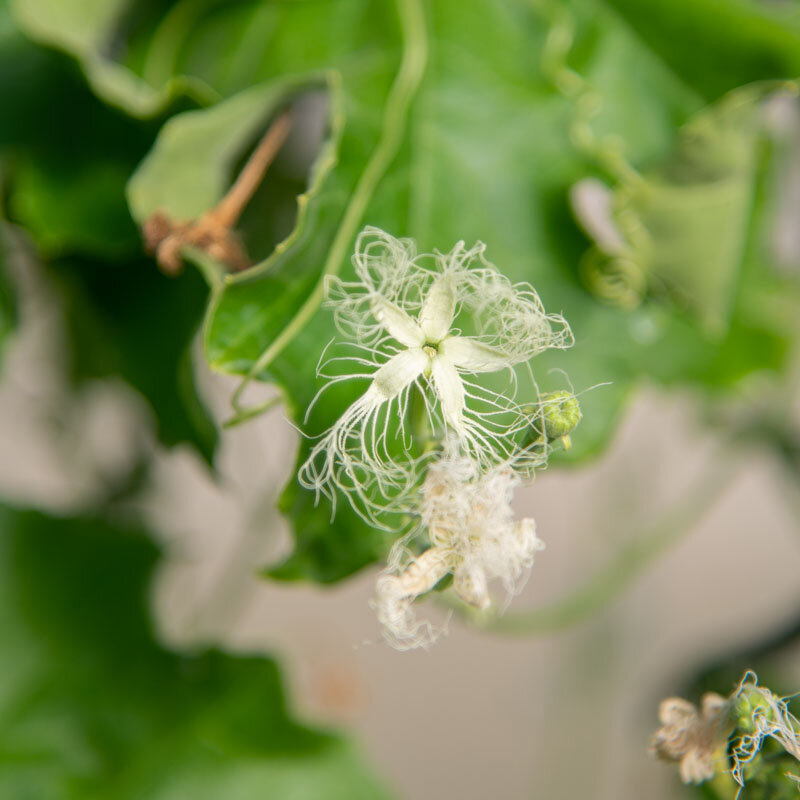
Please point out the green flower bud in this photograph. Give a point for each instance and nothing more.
(749, 708)
(560, 413)
(553, 418)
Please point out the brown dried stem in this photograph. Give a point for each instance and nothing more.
(213, 231)
(227, 212)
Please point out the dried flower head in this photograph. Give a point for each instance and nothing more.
(467, 518)
(407, 316)
(692, 738)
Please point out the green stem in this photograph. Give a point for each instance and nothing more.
(251, 413)
(401, 94)
(641, 551)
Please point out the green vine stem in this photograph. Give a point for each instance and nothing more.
(401, 95)
(619, 278)
(587, 102)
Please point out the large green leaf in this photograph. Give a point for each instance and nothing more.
(446, 126)
(91, 706)
(89, 30)
(717, 45)
(125, 318)
(67, 158)
(74, 204)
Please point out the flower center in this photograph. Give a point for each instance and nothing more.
(430, 350)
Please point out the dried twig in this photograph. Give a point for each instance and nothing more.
(213, 231)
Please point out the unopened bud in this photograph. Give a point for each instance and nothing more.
(560, 414)
(752, 710)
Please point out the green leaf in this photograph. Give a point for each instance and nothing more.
(75, 204)
(717, 45)
(68, 191)
(66, 156)
(91, 706)
(199, 149)
(88, 30)
(684, 226)
(125, 318)
(318, 555)
(446, 126)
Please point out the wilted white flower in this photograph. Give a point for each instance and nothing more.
(467, 516)
(401, 315)
(694, 739)
(395, 593)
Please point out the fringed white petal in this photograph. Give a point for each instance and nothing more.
(397, 323)
(425, 571)
(438, 310)
(395, 595)
(474, 356)
(380, 260)
(472, 587)
(399, 371)
(450, 389)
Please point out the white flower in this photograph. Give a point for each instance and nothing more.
(401, 316)
(470, 525)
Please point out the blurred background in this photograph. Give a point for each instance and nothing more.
(629, 176)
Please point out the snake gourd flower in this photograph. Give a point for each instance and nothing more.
(466, 515)
(406, 315)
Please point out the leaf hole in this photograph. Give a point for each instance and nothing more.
(271, 214)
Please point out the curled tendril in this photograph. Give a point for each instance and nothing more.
(615, 279)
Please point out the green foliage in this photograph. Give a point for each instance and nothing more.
(66, 187)
(128, 319)
(88, 29)
(324, 547)
(216, 138)
(444, 123)
(72, 204)
(91, 706)
(491, 130)
(717, 45)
